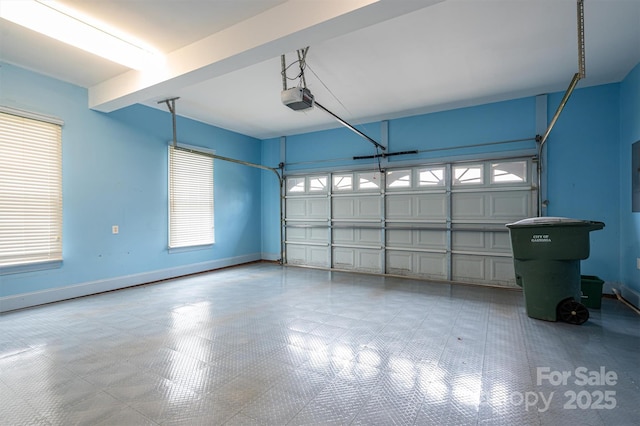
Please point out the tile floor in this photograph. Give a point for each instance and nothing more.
(263, 344)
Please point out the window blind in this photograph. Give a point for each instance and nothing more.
(190, 199)
(30, 191)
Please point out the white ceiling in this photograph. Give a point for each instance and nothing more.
(368, 59)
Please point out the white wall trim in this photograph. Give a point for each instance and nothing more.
(25, 300)
(271, 256)
(630, 296)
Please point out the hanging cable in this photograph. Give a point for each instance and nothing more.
(329, 90)
(331, 93)
(378, 156)
(302, 56)
(301, 63)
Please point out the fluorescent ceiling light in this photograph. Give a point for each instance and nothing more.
(69, 26)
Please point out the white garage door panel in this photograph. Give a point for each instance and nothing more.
(500, 242)
(368, 207)
(419, 265)
(307, 255)
(502, 271)
(369, 260)
(424, 239)
(343, 208)
(399, 262)
(316, 235)
(400, 238)
(468, 205)
(296, 209)
(468, 268)
(317, 208)
(296, 234)
(307, 208)
(499, 206)
(483, 269)
(431, 239)
(399, 207)
(318, 256)
(357, 236)
(431, 265)
(357, 207)
(509, 205)
(431, 206)
(355, 259)
(486, 241)
(296, 254)
(408, 207)
(468, 240)
(344, 258)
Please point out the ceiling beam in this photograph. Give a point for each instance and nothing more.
(281, 29)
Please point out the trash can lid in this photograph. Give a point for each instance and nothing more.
(551, 221)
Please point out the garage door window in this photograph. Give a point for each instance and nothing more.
(509, 172)
(295, 184)
(318, 184)
(399, 179)
(343, 182)
(369, 180)
(468, 174)
(431, 176)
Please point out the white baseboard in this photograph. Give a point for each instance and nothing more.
(630, 296)
(271, 256)
(25, 300)
(608, 286)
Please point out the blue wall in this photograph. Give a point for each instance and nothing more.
(115, 173)
(436, 134)
(582, 163)
(629, 222)
(329, 148)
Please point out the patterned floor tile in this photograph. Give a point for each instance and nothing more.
(317, 347)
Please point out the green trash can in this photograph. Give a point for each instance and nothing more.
(591, 287)
(547, 252)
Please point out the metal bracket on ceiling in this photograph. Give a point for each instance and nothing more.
(579, 75)
(581, 59)
(385, 155)
(574, 81)
(171, 104)
(302, 57)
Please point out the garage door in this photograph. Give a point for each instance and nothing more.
(443, 222)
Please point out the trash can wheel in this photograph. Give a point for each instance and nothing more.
(572, 312)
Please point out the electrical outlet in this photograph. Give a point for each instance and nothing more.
(638, 262)
(115, 229)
